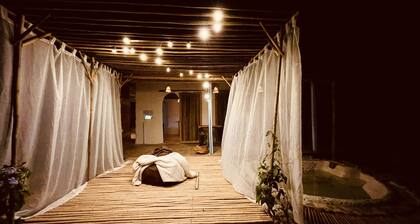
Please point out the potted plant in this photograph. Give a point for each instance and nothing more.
(271, 191)
(13, 190)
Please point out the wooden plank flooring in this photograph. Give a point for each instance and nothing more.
(112, 199)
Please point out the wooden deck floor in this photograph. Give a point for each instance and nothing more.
(112, 199)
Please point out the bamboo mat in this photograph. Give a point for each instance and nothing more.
(112, 199)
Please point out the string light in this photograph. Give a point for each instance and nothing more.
(125, 50)
(181, 74)
(159, 51)
(218, 15)
(191, 72)
(158, 61)
(206, 75)
(199, 76)
(143, 57)
(168, 69)
(189, 45)
(132, 51)
(206, 96)
(217, 27)
(206, 85)
(114, 51)
(126, 40)
(170, 44)
(204, 33)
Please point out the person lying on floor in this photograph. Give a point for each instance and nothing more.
(163, 168)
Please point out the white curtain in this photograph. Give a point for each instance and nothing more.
(6, 61)
(250, 114)
(53, 126)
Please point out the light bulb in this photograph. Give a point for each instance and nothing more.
(181, 74)
(215, 90)
(159, 51)
(126, 40)
(218, 15)
(132, 51)
(143, 57)
(158, 61)
(206, 85)
(204, 33)
(170, 44)
(206, 75)
(191, 72)
(168, 89)
(125, 50)
(189, 45)
(217, 27)
(206, 96)
(199, 76)
(114, 51)
(168, 69)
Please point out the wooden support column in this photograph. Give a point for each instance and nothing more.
(313, 118)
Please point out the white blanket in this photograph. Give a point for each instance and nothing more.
(172, 167)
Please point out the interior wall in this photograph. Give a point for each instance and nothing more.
(149, 96)
(153, 129)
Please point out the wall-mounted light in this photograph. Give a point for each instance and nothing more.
(168, 89)
(204, 33)
(126, 40)
(143, 57)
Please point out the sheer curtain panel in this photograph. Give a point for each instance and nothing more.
(250, 114)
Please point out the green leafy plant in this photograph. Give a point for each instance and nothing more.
(272, 187)
(13, 190)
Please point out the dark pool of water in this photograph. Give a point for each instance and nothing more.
(327, 185)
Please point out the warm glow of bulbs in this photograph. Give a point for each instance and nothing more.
(217, 27)
(114, 51)
(206, 85)
(168, 89)
(143, 57)
(158, 61)
(132, 51)
(206, 75)
(168, 69)
(170, 44)
(189, 45)
(206, 96)
(125, 50)
(218, 15)
(191, 72)
(199, 76)
(181, 74)
(204, 33)
(126, 40)
(159, 51)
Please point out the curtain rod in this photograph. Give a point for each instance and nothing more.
(56, 39)
(276, 37)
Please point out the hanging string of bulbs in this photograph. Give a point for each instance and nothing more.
(204, 34)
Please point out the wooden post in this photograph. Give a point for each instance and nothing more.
(313, 118)
(210, 119)
(333, 120)
(17, 50)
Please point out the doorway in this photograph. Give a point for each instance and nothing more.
(171, 130)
